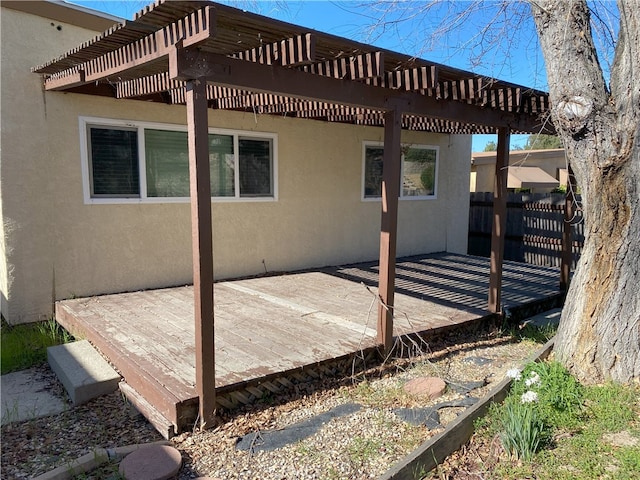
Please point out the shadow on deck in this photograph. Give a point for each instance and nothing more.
(274, 331)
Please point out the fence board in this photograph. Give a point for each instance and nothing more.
(534, 227)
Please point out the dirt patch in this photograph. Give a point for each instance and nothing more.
(621, 439)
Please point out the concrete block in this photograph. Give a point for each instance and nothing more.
(82, 371)
(548, 318)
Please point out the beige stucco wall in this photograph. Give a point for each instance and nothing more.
(57, 246)
(26, 274)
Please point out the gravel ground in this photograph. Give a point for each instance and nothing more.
(361, 445)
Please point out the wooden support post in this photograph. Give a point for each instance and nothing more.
(389, 225)
(499, 221)
(566, 256)
(202, 243)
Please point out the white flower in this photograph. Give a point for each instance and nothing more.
(514, 373)
(534, 379)
(529, 397)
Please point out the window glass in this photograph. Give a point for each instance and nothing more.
(167, 163)
(222, 161)
(113, 162)
(373, 172)
(419, 172)
(241, 165)
(255, 167)
(419, 165)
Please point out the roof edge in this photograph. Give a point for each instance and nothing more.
(66, 12)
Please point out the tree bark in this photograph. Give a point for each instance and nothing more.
(599, 334)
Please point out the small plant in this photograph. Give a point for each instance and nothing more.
(537, 333)
(53, 331)
(543, 397)
(361, 450)
(368, 394)
(560, 396)
(522, 429)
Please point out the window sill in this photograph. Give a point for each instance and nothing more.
(168, 200)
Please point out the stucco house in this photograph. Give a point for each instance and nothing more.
(539, 171)
(200, 142)
(81, 218)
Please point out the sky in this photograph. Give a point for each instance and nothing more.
(508, 53)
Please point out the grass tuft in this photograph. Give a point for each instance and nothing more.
(25, 346)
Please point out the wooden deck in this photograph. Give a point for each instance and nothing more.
(274, 329)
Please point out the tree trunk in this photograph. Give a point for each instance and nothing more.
(599, 334)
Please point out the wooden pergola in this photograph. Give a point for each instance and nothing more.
(207, 55)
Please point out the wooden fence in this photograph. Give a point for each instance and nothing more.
(535, 222)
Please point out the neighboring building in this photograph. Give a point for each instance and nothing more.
(539, 171)
(94, 189)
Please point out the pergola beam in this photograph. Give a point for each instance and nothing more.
(225, 71)
(72, 78)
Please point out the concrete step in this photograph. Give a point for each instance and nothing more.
(82, 371)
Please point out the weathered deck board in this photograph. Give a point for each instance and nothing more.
(272, 325)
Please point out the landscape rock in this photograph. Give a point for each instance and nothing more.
(432, 387)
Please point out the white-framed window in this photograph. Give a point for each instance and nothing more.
(419, 171)
(133, 162)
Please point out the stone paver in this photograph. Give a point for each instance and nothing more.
(155, 462)
(25, 395)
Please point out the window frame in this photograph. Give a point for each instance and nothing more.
(402, 196)
(85, 123)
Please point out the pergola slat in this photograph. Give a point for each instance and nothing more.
(469, 89)
(161, 11)
(139, 87)
(112, 39)
(413, 78)
(358, 67)
(292, 51)
(298, 50)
